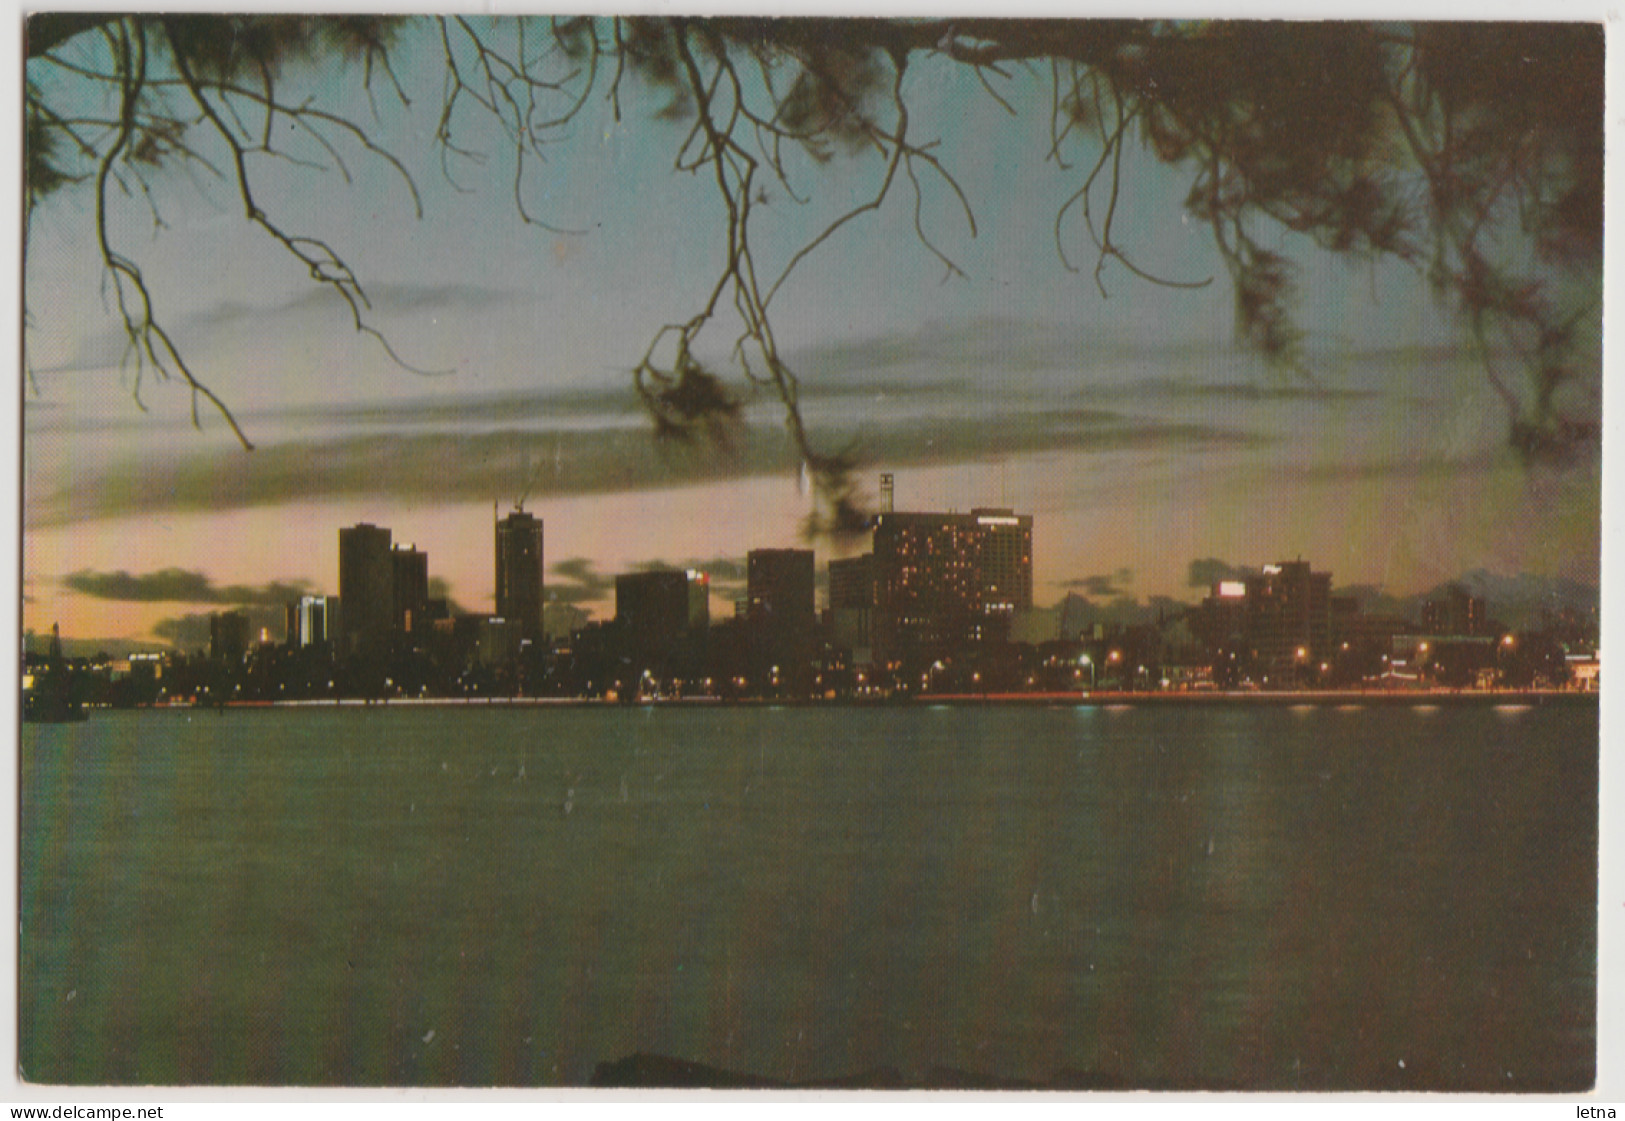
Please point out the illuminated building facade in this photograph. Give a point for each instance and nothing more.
(942, 580)
(308, 619)
(520, 584)
(1222, 620)
(1289, 614)
(1004, 561)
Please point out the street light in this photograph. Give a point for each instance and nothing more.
(1085, 660)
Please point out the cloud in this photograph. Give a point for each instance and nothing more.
(1079, 614)
(176, 585)
(107, 347)
(383, 298)
(721, 570)
(186, 632)
(580, 582)
(1419, 467)
(493, 408)
(957, 352)
(733, 570)
(1247, 391)
(934, 350)
(191, 631)
(577, 579)
(616, 404)
(439, 589)
(474, 466)
(1104, 587)
(1374, 600)
(1207, 571)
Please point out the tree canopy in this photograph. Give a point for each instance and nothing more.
(1470, 152)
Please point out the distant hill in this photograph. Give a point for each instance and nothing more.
(1518, 601)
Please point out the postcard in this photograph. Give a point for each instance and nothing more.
(810, 553)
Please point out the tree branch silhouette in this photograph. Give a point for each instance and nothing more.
(1471, 153)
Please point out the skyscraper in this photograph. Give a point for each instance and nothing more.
(410, 571)
(308, 620)
(1289, 613)
(652, 608)
(779, 586)
(366, 587)
(945, 579)
(519, 571)
(780, 612)
(699, 600)
(228, 637)
(1004, 561)
(852, 601)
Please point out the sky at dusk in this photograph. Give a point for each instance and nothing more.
(1129, 425)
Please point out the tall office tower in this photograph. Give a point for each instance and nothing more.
(852, 601)
(781, 612)
(699, 600)
(779, 587)
(652, 607)
(1004, 561)
(1288, 613)
(314, 616)
(519, 571)
(366, 588)
(411, 587)
(1222, 619)
(942, 580)
(228, 637)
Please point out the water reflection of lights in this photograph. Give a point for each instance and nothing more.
(1511, 710)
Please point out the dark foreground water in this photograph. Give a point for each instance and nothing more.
(1314, 898)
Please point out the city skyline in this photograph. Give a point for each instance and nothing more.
(939, 607)
(1142, 435)
(911, 552)
(587, 595)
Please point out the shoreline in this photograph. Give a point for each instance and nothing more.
(1320, 698)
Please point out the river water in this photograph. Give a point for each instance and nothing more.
(1349, 897)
